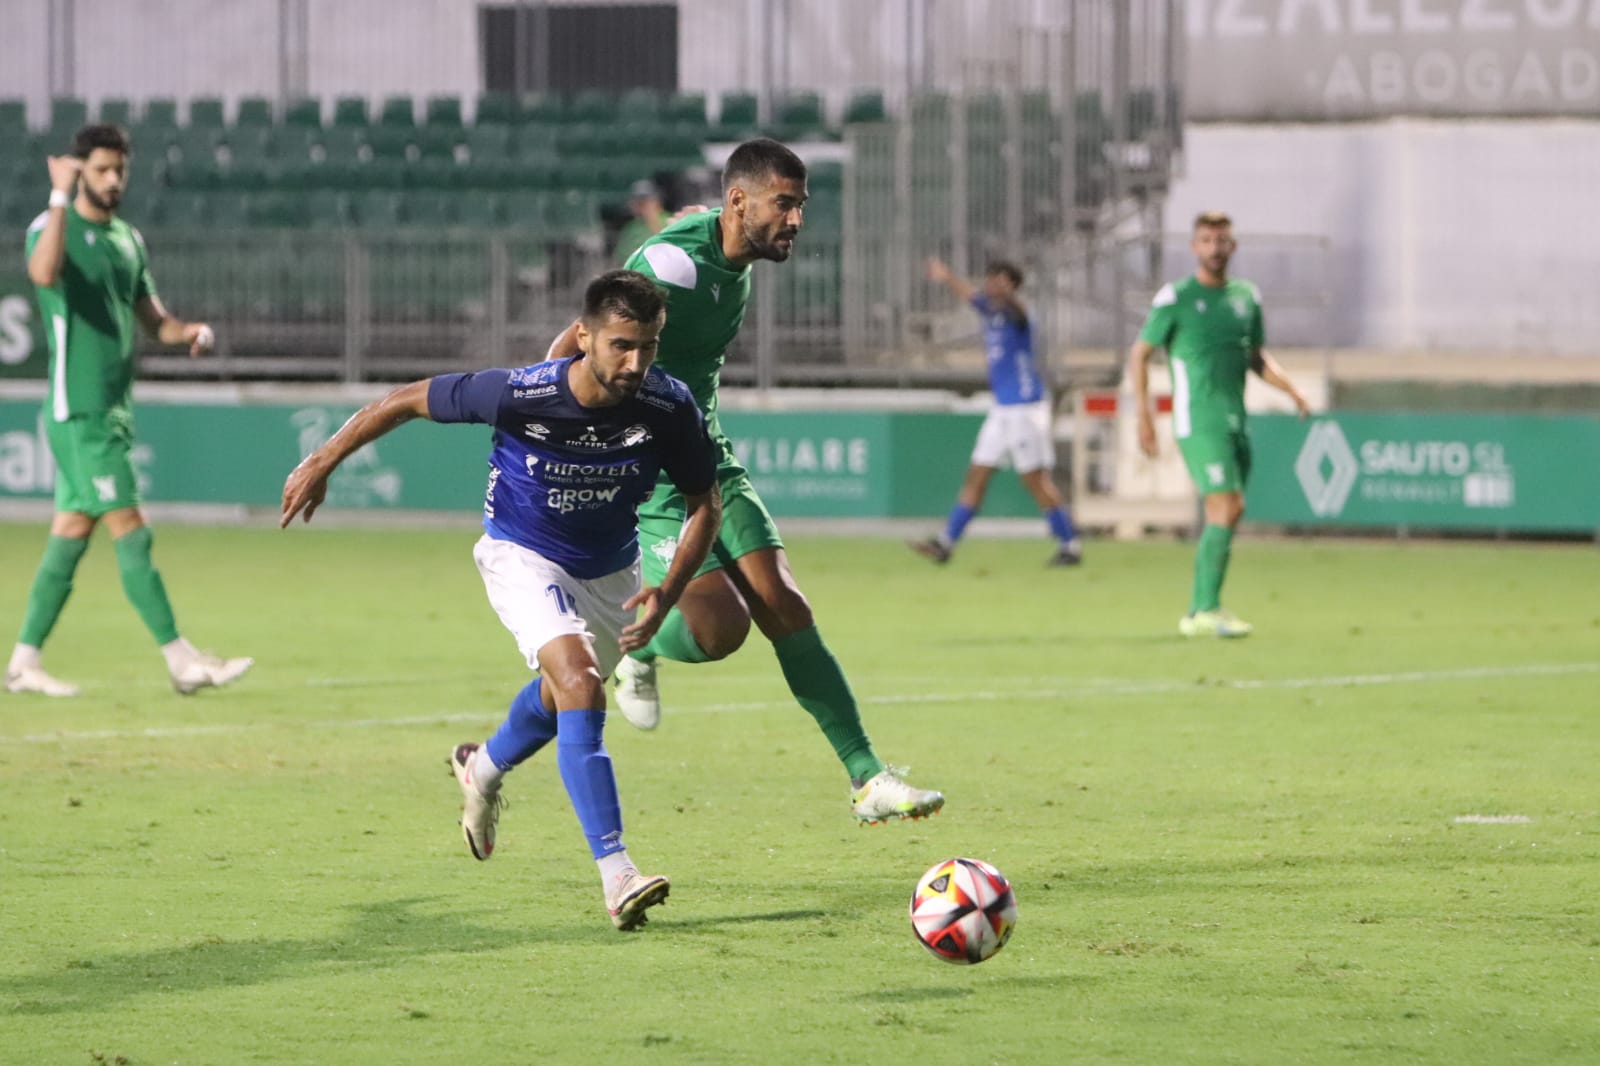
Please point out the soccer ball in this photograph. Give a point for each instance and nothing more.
(963, 910)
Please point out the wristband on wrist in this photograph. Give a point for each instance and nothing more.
(58, 198)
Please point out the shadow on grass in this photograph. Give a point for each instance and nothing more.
(380, 934)
(713, 921)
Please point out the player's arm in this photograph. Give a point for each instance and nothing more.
(307, 484)
(169, 329)
(565, 344)
(1273, 374)
(939, 271)
(702, 519)
(49, 249)
(1139, 372)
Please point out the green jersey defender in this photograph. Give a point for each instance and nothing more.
(1211, 326)
(91, 273)
(702, 263)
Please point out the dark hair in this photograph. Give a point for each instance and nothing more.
(759, 161)
(100, 135)
(1212, 218)
(626, 294)
(1008, 268)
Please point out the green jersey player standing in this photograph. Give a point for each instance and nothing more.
(92, 277)
(1211, 327)
(702, 263)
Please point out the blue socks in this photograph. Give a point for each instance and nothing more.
(527, 728)
(956, 525)
(1060, 524)
(592, 786)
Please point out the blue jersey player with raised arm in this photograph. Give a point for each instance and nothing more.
(578, 444)
(1016, 431)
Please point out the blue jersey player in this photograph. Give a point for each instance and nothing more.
(1017, 429)
(578, 443)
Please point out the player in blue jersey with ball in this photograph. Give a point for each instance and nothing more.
(578, 443)
(1017, 429)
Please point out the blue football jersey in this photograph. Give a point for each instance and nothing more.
(566, 480)
(1008, 346)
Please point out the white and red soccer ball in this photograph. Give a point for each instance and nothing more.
(963, 910)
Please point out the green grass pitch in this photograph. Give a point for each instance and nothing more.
(1223, 853)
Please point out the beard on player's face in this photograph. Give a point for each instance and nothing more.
(106, 199)
(764, 237)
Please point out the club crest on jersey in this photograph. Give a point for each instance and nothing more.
(636, 434)
(530, 461)
(1240, 305)
(716, 292)
(1200, 305)
(537, 430)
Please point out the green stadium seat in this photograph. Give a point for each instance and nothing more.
(866, 106)
(737, 118)
(580, 174)
(254, 111)
(335, 174)
(430, 208)
(435, 174)
(496, 109)
(117, 111)
(13, 114)
(592, 105)
(160, 113)
(277, 210)
(480, 210)
(639, 105)
(205, 112)
(1141, 113)
(548, 108)
(291, 144)
(68, 114)
(800, 115)
(572, 211)
(227, 208)
(390, 142)
(438, 142)
(537, 141)
(444, 111)
(375, 208)
(398, 111)
(327, 208)
(249, 146)
(488, 142)
(180, 208)
(687, 109)
(930, 107)
(197, 144)
(350, 111)
(343, 144)
(305, 113)
(527, 210)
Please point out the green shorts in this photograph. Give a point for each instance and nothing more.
(1218, 462)
(94, 468)
(746, 526)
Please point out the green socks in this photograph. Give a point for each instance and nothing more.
(673, 641)
(819, 685)
(142, 582)
(52, 584)
(1210, 567)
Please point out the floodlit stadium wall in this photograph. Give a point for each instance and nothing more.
(868, 455)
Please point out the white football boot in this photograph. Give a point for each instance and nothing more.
(630, 894)
(34, 679)
(637, 696)
(887, 797)
(192, 669)
(480, 811)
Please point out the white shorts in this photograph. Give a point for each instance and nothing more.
(539, 601)
(1016, 435)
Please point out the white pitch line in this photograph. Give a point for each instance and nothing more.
(1492, 819)
(1097, 688)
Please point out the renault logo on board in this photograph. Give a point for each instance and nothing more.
(1326, 446)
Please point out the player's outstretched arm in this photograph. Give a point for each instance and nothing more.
(307, 484)
(1273, 374)
(700, 525)
(940, 272)
(50, 240)
(167, 328)
(1139, 371)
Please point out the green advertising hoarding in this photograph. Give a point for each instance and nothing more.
(22, 346)
(1518, 473)
(825, 464)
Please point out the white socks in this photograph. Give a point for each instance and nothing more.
(483, 772)
(613, 866)
(178, 652)
(24, 657)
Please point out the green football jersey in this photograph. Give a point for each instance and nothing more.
(89, 315)
(1211, 335)
(706, 300)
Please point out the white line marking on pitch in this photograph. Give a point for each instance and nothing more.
(1492, 819)
(1098, 688)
